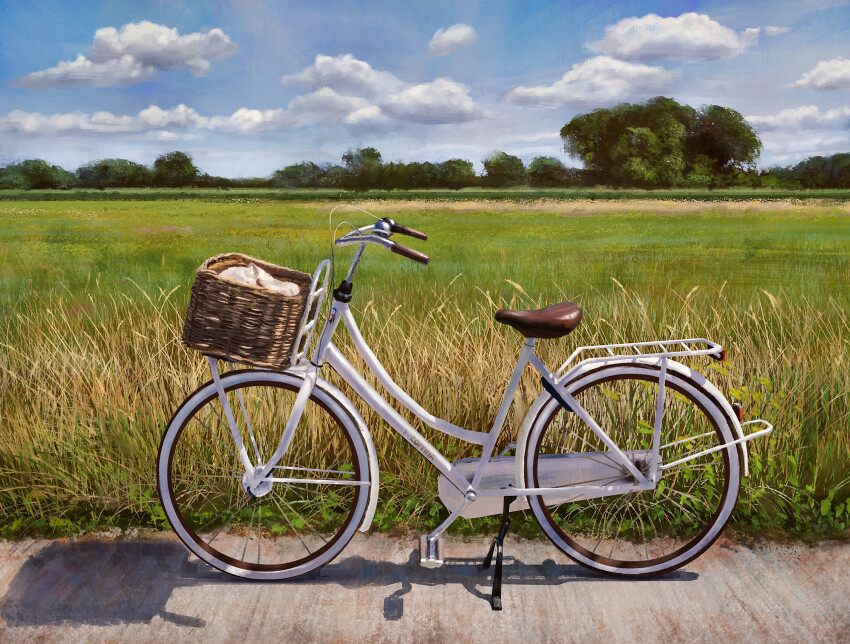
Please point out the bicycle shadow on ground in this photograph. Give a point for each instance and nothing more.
(356, 572)
(120, 582)
(102, 583)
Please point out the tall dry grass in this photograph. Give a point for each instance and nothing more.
(88, 384)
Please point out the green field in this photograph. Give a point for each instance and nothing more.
(92, 296)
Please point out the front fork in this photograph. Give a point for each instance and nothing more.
(253, 480)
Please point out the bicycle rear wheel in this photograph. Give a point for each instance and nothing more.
(283, 529)
(644, 532)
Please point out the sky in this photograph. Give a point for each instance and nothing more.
(248, 87)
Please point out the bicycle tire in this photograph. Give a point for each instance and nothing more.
(299, 526)
(694, 500)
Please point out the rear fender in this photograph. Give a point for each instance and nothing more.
(673, 367)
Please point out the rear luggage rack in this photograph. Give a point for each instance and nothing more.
(653, 349)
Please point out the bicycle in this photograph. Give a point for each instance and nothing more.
(629, 461)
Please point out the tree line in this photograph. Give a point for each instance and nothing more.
(361, 169)
(655, 144)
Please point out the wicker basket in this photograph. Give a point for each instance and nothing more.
(244, 323)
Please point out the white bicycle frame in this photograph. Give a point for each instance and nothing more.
(327, 352)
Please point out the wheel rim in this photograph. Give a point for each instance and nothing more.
(653, 530)
(293, 524)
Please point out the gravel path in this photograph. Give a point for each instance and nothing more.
(153, 591)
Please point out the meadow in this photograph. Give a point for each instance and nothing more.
(93, 294)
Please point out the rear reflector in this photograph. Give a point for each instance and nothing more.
(739, 411)
(720, 357)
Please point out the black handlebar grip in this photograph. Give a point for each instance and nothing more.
(415, 255)
(404, 230)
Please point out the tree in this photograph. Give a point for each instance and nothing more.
(301, 175)
(662, 143)
(174, 170)
(813, 172)
(723, 136)
(502, 169)
(114, 173)
(546, 172)
(365, 168)
(456, 174)
(36, 174)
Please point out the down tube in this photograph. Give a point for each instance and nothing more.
(385, 411)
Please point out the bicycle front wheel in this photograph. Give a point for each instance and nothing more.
(281, 529)
(641, 532)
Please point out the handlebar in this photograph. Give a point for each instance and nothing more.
(378, 234)
(415, 255)
(404, 230)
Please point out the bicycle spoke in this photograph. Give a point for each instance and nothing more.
(298, 534)
(681, 507)
(309, 469)
(216, 435)
(238, 508)
(248, 533)
(259, 533)
(218, 467)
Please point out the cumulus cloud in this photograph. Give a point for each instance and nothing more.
(345, 74)
(445, 41)
(131, 55)
(827, 75)
(806, 117)
(84, 73)
(351, 91)
(327, 105)
(690, 37)
(595, 82)
(322, 105)
(776, 31)
(440, 101)
(37, 124)
(784, 145)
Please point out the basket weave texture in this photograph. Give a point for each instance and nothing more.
(241, 322)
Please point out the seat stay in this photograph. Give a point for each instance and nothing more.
(574, 407)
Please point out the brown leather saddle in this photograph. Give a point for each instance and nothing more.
(554, 321)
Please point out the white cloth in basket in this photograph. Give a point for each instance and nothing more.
(256, 276)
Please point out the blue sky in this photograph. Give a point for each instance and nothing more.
(248, 87)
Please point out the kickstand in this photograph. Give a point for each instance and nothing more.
(497, 545)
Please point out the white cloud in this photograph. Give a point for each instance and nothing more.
(689, 37)
(132, 54)
(827, 75)
(784, 146)
(806, 117)
(440, 101)
(181, 117)
(595, 82)
(327, 105)
(151, 119)
(346, 74)
(84, 73)
(351, 91)
(323, 105)
(247, 121)
(776, 31)
(445, 41)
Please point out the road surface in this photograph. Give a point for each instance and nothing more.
(154, 591)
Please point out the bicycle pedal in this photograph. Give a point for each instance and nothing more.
(430, 553)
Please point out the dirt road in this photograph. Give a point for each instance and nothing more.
(153, 591)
